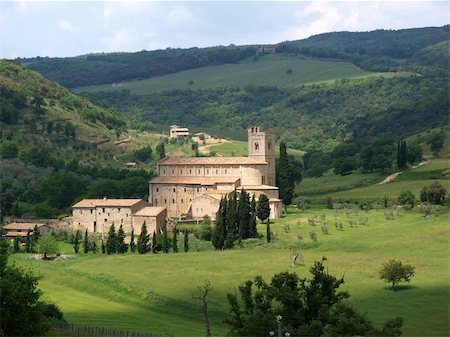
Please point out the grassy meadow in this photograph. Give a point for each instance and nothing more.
(266, 70)
(153, 293)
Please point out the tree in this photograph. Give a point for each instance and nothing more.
(21, 311)
(76, 243)
(122, 247)
(285, 176)
(35, 237)
(252, 226)
(268, 233)
(394, 272)
(406, 199)
(308, 307)
(132, 243)
(243, 215)
(154, 244)
(186, 241)
(232, 221)
(203, 297)
(165, 243)
(414, 153)
(16, 246)
(86, 245)
(48, 246)
(436, 143)
(8, 149)
(144, 240)
(161, 150)
(263, 208)
(175, 240)
(219, 231)
(111, 241)
(434, 193)
(28, 243)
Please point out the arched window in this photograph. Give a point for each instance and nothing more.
(256, 146)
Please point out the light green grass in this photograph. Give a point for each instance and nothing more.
(236, 148)
(267, 70)
(154, 292)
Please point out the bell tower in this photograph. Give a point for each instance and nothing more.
(261, 147)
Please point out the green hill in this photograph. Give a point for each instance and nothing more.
(270, 70)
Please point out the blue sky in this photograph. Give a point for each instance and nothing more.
(70, 28)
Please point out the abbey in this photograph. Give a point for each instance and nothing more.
(193, 187)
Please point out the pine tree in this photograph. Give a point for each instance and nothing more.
(219, 231)
(86, 242)
(285, 176)
(165, 245)
(144, 240)
(186, 241)
(154, 243)
(175, 241)
(122, 247)
(16, 246)
(28, 242)
(76, 243)
(111, 241)
(132, 243)
(244, 215)
(268, 234)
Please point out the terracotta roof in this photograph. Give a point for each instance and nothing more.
(149, 211)
(274, 200)
(22, 226)
(14, 234)
(91, 203)
(193, 180)
(210, 161)
(257, 187)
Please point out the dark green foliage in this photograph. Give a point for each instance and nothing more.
(165, 242)
(219, 231)
(268, 232)
(232, 220)
(406, 199)
(111, 241)
(16, 245)
(35, 238)
(436, 143)
(143, 244)
(154, 244)
(132, 243)
(160, 149)
(434, 193)
(86, 244)
(21, 311)
(253, 232)
(401, 154)
(143, 155)
(309, 307)
(186, 241)
(76, 244)
(28, 243)
(395, 271)
(175, 240)
(263, 208)
(378, 156)
(122, 247)
(285, 179)
(8, 150)
(414, 153)
(244, 215)
(103, 247)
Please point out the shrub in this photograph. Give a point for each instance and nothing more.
(394, 272)
(406, 199)
(434, 193)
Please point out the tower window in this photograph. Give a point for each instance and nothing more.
(174, 190)
(256, 146)
(268, 145)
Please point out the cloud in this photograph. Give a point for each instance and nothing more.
(123, 39)
(180, 16)
(66, 26)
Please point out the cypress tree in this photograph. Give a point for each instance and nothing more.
(111, 241)
(28, 242)
(175, 241)
(16, 246)
(94, 247)
(122, 247)
(103, 247)
(263, 208)
(244, 215)
(252, 228)
(165, 246)
(399, 161)
(86, 242)
(132, 243)
(76, 243)
(404, 152)
(268, 234)
(285, 176)
(219, 231)
(144, 240)
(34, 238)
(154, 243)
(186, 241)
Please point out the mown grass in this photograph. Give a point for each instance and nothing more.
(154, 292)
(267, 70)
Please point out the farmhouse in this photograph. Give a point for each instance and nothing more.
(193, 187)
(176, 132)
(97, 215)
(20, 229)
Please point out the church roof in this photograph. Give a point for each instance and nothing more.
(91, 203)
(210, 161)
(193, 180)
(149, 211)
(22, 226)
(257, 187)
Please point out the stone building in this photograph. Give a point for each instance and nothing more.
(193, 187)
(20, 229)
(97, 215)
(177, 132)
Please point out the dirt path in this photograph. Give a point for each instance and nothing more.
(392, 176)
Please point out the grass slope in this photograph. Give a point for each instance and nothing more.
(267, 70)
(154, 292)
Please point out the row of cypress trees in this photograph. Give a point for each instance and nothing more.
(401, 154)
(236, 219)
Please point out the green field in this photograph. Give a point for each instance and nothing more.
(267, 70)
(154, 292)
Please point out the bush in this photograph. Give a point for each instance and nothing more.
(394, 272)
(434, 193)
(406, 199)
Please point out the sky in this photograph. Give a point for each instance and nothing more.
(71, 28)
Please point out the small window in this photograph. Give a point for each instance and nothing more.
(181, 171)
(217, 171)
(174, 190)
(92, 211)
(164, 171)
(157, 189)
(190, 200)
(225, 171)
(256, 146)
(198, 171)
(190, 171)
(268, 145)
(156, 202)
(198, 189)
(207, 171)
(81, 211)
(79, 223)
(173, 171)
(126, 215)
(121, 220)
(108, 214)
(106, 220)
(185, 190)
(119, 209)
(173, 201)
(165, 201)
(103, 210)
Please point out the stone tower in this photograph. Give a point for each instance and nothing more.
(261, 146)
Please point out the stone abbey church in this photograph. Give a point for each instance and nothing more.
(189, 188)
